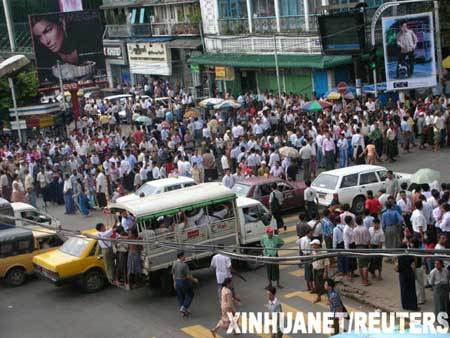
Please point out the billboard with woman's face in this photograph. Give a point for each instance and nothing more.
(409, 52)
(75, 40)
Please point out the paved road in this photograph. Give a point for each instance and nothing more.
(38, 309)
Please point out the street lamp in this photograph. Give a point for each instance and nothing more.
(10, 67)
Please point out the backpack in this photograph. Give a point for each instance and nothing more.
(275, 203)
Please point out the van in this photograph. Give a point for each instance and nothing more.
(18, 246)
(25, 211)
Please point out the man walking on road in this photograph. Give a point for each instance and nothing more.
(311, 201)
(222, 265)
(271, 243)
(183, 279)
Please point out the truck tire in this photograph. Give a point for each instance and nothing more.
(166, 281)
(155, 279)
(358, 204)
(93, 281)
(15, 277)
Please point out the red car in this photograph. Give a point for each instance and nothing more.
(259, 188)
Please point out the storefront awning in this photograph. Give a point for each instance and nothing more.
(268, 61)
(185, 43)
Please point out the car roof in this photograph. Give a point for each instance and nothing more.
(115, 97)
(354, 169)
(15, 234)
(159, 204)
(243, 202)
(163, 182)
(39, 231)
(259, 180)
(20, 206)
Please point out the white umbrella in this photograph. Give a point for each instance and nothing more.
(289, 152)
(228, 104)
(210, 102)
(425, 176)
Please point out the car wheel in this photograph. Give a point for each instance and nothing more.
(166, 281)
(15, 277)
(358, 204)
(93, 281)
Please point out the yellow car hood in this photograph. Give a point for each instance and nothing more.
(51, 260)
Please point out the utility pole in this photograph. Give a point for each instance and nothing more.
(276, 65)
(61, 89)
(437, 28)
(16, 113)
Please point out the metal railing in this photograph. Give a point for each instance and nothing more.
(117, 31)
(233, 26)
(265, 25)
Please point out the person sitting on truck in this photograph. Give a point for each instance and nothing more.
(180, 222)
(162, 227)
(219, 212)
(197, 218)
(249, 216)
(134, 259)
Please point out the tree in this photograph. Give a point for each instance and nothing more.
(26, 86)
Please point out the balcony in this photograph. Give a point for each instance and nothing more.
(233, 26)
(154, 29)
(265, 25)
(117, 31)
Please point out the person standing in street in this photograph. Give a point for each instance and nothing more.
(329, 151)
(305, 156)
(275, 202)
(222, 265)
(376, 242)
(405, 267)
(183, 279)
(392, 185)
(107, 251)
(304, 244)
(418, 273)
(274, 307)
(439, 281)
(320, 270)
(101, 189)
(227, 306)
(361, 237)
(335, 302)
(311, 201)
(270, 244)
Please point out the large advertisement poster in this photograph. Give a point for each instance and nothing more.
(149, 58)
(75, 40)
(70, 5)
(409, 51)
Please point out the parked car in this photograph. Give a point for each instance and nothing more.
(159, 186)
(18, 246)
(27, 211)
(352, 183)
(259, 188)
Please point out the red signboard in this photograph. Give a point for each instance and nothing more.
(193, 233)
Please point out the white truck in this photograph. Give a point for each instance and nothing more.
(207, 214)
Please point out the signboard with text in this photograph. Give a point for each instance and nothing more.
(409, 52)
(149, 58)
(224, 73)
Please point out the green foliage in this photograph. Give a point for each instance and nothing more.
(26, 86)
(195, 17)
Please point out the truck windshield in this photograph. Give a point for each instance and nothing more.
(74, 246)
(241, 189)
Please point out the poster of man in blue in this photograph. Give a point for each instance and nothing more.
(409, 52)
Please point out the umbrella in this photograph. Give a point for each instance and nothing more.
(144, 120)
(228, 104)
(325, 104)
(210, 102)
(446, 62)
(349, 96)
(191, 113)
(423, 176)
(312, 106)
(334, 96)
(289, 152)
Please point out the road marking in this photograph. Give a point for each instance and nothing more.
(297, 273)
(198, 331)
(286, 309)
(290, 239)
(310, 297)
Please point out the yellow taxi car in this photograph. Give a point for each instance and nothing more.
(18, 246)
(78, 259)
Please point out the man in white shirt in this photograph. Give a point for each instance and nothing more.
(224, 162)
(107, 251)
(304, 244)
(418, 221)
(228, 180)
(222, 265)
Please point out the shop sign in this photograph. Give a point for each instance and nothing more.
(149, 58)
(113, 52)
(33, 122)
(45, 121)
(224, 73)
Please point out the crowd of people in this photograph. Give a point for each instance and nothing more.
(122, 144)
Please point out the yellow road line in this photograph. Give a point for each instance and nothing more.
(297, 273)
(198, 331)
(290, 239)
(310, 297)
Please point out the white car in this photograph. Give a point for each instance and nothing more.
(352, 183)
(158, 186)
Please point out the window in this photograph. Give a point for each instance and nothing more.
(326, 181)
(189, 184)
(263, 190)
(382, 174)
(173, 187)
(93, 250)
(242, 189)
(49, 242)
(251, 214)
(349, 181)
(284, 187)
(290, 8)
(232, 9)
(263, 8)
(6, 249)
(368, 178)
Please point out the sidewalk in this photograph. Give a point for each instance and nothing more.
(383, 295)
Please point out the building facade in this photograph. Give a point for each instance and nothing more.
(151, 39)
